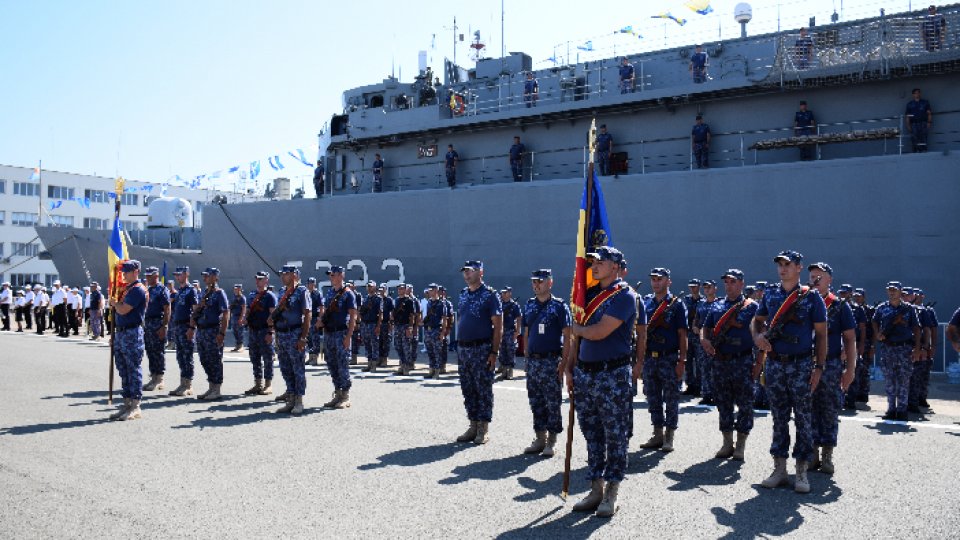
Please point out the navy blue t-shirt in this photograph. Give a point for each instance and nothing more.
(159, 297)
(840, 318)
(237, 304)
(900, 331)
(134, 296)
(95, 298)
(810, 310)
(626, 72)
(699, 132)
(371, 308)
(621, 306)
(297, 301)
(955, 319)
(516, 151)
(604, 140)
(403, 309)
(511, 312)
(918, 110)
(475, 311)
(216, 305)
(451, 158)
(544, 323)
(665, 337)
(699, 61)
(737, 337)
(436, 313)
(338, 313)
(387, 307)
(316, 303)
(185, 299)
(259, 310)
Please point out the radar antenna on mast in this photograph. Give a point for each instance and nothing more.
(476, 48)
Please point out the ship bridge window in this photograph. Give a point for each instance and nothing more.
(376, 101)
(338, 125)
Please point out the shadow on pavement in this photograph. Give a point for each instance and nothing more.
(713, 472)
(568, 525)
(643, 461)
(775, 512)
(414, 457)
(231, 421)
(87, 394)
(537, 489)
(891, 428)
(41, 428)
(493, 469)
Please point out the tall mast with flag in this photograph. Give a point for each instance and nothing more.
(116, 252)
(593, 231)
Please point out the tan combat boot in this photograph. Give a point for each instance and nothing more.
(288, 406)
(312, 360)
(152, 385)
(353, 359)
(283, 396)
(255, 389)
(538, 444)
(656, 441)
(159, 383)
(133, 411)
(214, 393)
(332, 404)
(383, 362)
(801, 484)
(668, 441)
(297, 405)
(593, 499)
(727, 449)
(482, 433)
(508, 374)
(121, 410)
(608, 507)
(548, 450)
(779, 475)
(267, 388)
(826, 462)
(185, 388)
(741, 449)
(344, 402)
(205, 394)
(443, 369)
(470, 434)
(815, 464)
(369, 368)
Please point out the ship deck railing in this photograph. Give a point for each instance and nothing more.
(729, 148)
(883, 47)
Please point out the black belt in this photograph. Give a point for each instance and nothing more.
(474, 343)
(128, 327)
(153, 318)
(605, 365)
(732, 356)
(898, 343)
(369, 322)
(255, 326)
(543, 356)
(661, 354)
(288, 330)
(208, 326)
(829, 358)
(334, 328)
(789, 357)
(181, 321)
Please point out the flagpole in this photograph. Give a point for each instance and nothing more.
(112, 282)
(575, 342)
(40, 192)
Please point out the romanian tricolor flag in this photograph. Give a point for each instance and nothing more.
(679, 20)
(117, 249)
(593, 231)
(702, 7)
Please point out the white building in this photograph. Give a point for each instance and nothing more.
(25, 202)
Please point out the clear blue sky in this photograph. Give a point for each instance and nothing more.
(153, 89)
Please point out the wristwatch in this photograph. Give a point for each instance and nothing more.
(818, 366)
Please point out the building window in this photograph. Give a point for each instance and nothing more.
(23, 280)
(129, 199)
(24, 250)
(147, 199)
(49, 279)
(27, 189)
(1, 249)
(96, 223)
(3, 186)
(128, 225)
(23, 219)
(60, 192)
(3, 217)
(96, 195)
(61, 221)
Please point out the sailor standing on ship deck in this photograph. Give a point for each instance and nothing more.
(450, 165)
(919, 119)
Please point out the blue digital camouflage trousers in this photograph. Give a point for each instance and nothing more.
(431, 337)
(860, 387)
(314, 339)
(356, 340)
(476, 381)
(261, 354)
(371, 340)
(337, 358)
(402, 343)
(691, 373)
(292, 362)
(385, 340)
(604, 404)
(544, 394)
(919, 382)
(154, 346)
(211, 354)
(705, 369)
(661, 390)
(827, 403)
(508, 349)
(788, 389)
(184, 349)
(413, 349)
(237, 330)
(444, 349)
(127, 355)
(733, 386)
(897, 368)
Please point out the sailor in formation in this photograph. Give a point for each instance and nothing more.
(371, 319)
(291, 324)
(511, 330)
(184, 302)
(129, 306)
(339, 320)
(209, 326)
(260, 335)
(155, 321)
